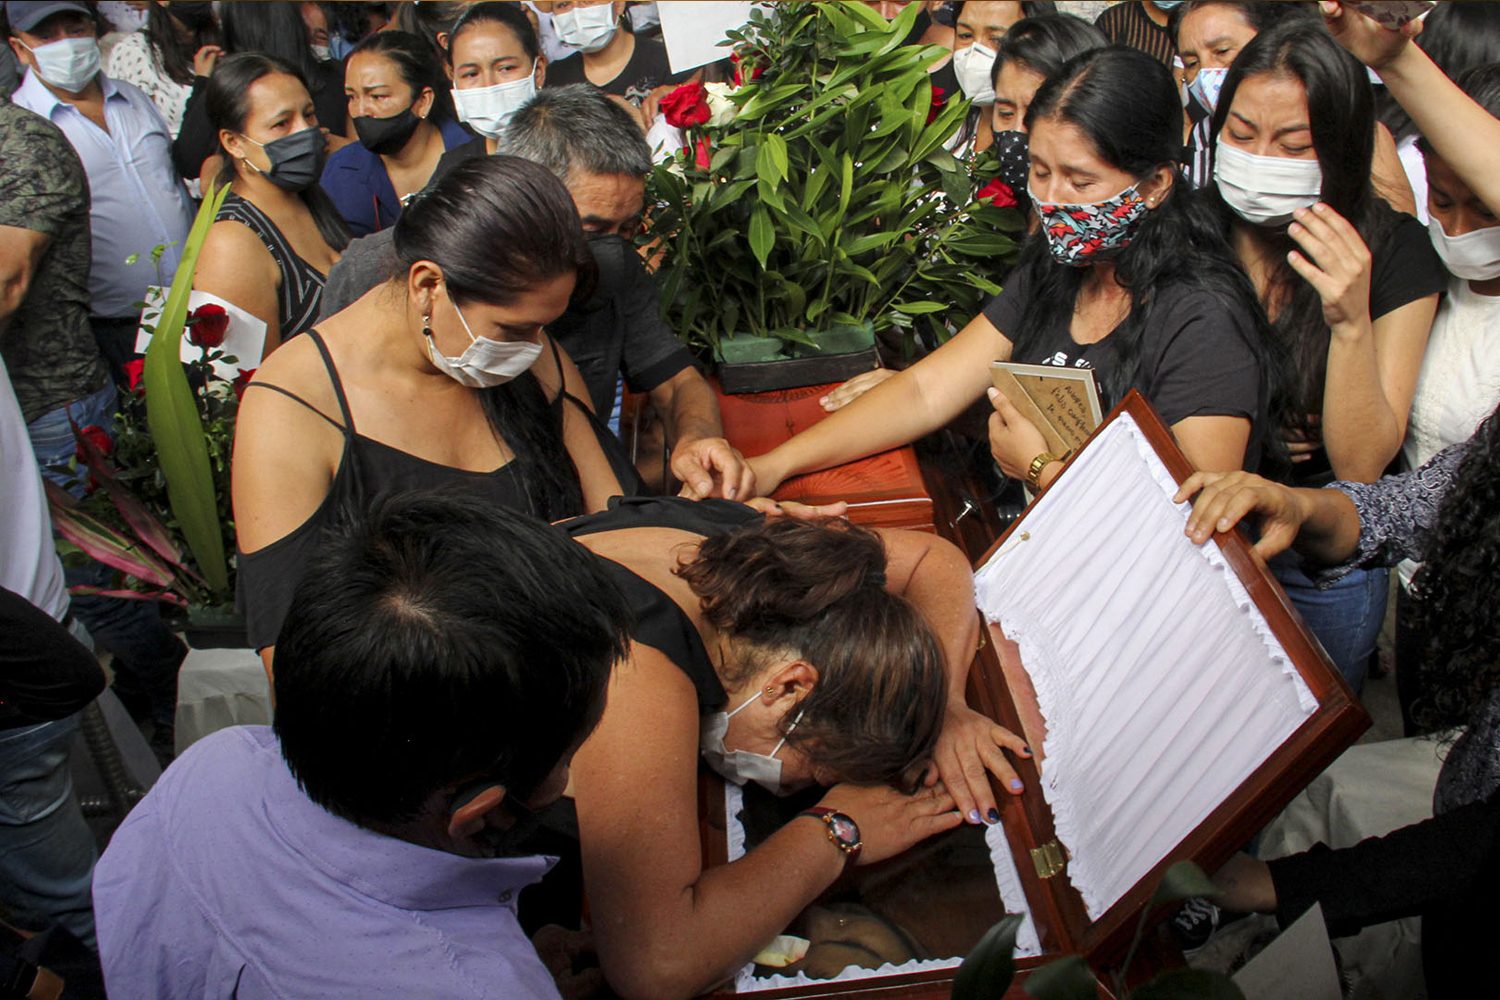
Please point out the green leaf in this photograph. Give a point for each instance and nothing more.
(1066, 979)
(872, 20)
(987, 971)
(918, 308)
(721, 158)
(1184, 880)
(775, 147)
(846, 183)
(1189, 984)
(173, 418)
(762, 236)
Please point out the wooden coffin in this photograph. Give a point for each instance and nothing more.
(1328, 719)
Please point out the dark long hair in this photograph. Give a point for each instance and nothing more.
(1262, 15)
(1045, 42)
(498, 226)
(816, 589)
(227, 102)
(1127, 104)
(172, 54)
(275, 28)
(1340, 109)
(413, 61)
(1454, 589)
(431, 19)
(1457, 37)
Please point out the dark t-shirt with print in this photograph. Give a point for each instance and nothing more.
(1197, 357)
(48, 347)
(647, 69)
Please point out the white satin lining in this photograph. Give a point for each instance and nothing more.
(1162, 684)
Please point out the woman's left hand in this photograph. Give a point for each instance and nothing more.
(1336, 262)
(1014, 441)
(969, 749)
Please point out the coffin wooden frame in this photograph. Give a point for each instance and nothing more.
(1057, 909)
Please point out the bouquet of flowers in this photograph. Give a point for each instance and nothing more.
(156, 505)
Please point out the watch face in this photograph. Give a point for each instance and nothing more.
(844, 829)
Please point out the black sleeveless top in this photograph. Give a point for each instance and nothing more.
(301, 293)
(659, 622)
(267, 577)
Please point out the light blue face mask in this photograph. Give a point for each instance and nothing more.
(740, 766)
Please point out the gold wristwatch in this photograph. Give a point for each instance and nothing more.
(1034, 474)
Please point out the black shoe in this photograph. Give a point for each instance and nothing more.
(1194, 923)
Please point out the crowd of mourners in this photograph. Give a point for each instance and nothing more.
(499, 648)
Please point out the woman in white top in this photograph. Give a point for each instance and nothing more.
(179, 42)
(1459, 384)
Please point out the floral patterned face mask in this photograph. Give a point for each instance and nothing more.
(1079, 235)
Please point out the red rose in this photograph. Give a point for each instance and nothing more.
(938, 100)
(997, 193)
(207, 325)
(686, 106)
(241, 380)
(701, 155)
(98, 437)
(136, 372)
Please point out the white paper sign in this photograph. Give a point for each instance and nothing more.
(244, 340)
(694, 32)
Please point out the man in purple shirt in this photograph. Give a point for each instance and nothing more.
(440, 664)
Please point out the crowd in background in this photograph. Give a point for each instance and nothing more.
(1273, 219)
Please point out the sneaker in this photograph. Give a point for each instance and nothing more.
(1193, 924)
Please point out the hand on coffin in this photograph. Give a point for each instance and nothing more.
(891, 821)
(1015, 442)
(1225, 499)
(854, 388)
(969, 749)
(767, 479)
(1336, 262)
(801, 511)
(1371, 44)
(710, 467)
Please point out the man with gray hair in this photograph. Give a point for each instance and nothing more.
(616, 338)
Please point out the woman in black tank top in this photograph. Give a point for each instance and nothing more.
(426, 381)
(277, 233)
(786, 652)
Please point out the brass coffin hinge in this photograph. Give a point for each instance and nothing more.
(1048, 858)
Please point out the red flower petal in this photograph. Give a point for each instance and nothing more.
(207, 325)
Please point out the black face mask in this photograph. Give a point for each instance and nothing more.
(192, 16)
(1014, 151)
(384, 136)
(296, 159)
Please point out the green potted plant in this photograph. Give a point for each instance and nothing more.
(815, 208)
(156, 504)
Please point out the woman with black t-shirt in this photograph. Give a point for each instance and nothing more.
(1350, 285)
(609, 56)
(1123, 276)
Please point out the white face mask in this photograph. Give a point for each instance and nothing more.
(1474, 256)
(484, 363)
(1206, 86)
(68, 63)
(972, 67)
(1266, 190)
(488, 110)
(587, 29)
(740, 766)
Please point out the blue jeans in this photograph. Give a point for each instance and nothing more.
(146, 653)
(46, 848)
(1345, 618)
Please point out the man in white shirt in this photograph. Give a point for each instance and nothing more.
(139, 202)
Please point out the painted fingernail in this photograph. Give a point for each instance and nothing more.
(994, 817)
(1015, 784)
(974, 816)
(1026, 751)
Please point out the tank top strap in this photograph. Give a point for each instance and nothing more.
(333, 376)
